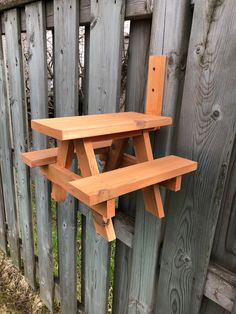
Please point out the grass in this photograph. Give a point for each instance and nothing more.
(79, 248)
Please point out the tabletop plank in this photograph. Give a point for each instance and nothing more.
(68, 128)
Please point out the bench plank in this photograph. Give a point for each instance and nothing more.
(48, 156)
(105, 186)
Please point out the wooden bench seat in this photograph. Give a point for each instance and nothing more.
(48, 156)
(105, 186)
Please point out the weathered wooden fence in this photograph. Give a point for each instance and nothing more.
(185, 263)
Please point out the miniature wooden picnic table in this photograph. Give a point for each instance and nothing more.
(84, 136)
(107, 135)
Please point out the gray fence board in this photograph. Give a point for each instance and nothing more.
(36, 41)
(206, 133)
(6, 168)
(223, 250)
(103, 96)
(135, 101)
(171, 25)
(148, 229)
(17, 106)
(66, 19)
(3, 238)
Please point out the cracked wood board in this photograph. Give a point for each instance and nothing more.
(223, 250)
(147, 238)
(206, 133)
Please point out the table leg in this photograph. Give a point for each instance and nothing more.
(88, 166)
(152, 196)
(64, 160)
(115, 154)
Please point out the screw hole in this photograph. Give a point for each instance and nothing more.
(153, 89)
(154, 68)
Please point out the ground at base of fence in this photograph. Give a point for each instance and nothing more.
(16, 296)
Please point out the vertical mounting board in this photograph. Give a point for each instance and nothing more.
(66, 27)
(155, 84)
(106, 32)
(8, 186)
(18, 114)
(37, 63)
(206, 133)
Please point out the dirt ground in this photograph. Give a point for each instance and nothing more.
(16, 296)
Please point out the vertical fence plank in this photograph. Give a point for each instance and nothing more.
(206, 133)
(148, 229)
(105, 55)
(17, 106)
(223, 250)
(171, 26)
(66, 21)
(104, 85)
(6, 167)
(135, 101)
(36, 41)
(3, 238)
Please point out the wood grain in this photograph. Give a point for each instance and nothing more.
(88, 167)
(48, 156)
(208, 100)
(104, 186)
(62, 177)
(69, 128)
(66, 28)
(134, 9)
(156, 84)
(135, 101)
(223, 250)
(36, 41)
(220, 287)
(151, 193)
(115, 154)
(65, 156)
(103, 97)
(17, 109)
(7, 167)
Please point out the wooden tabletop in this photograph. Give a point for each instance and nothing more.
(68, 128)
